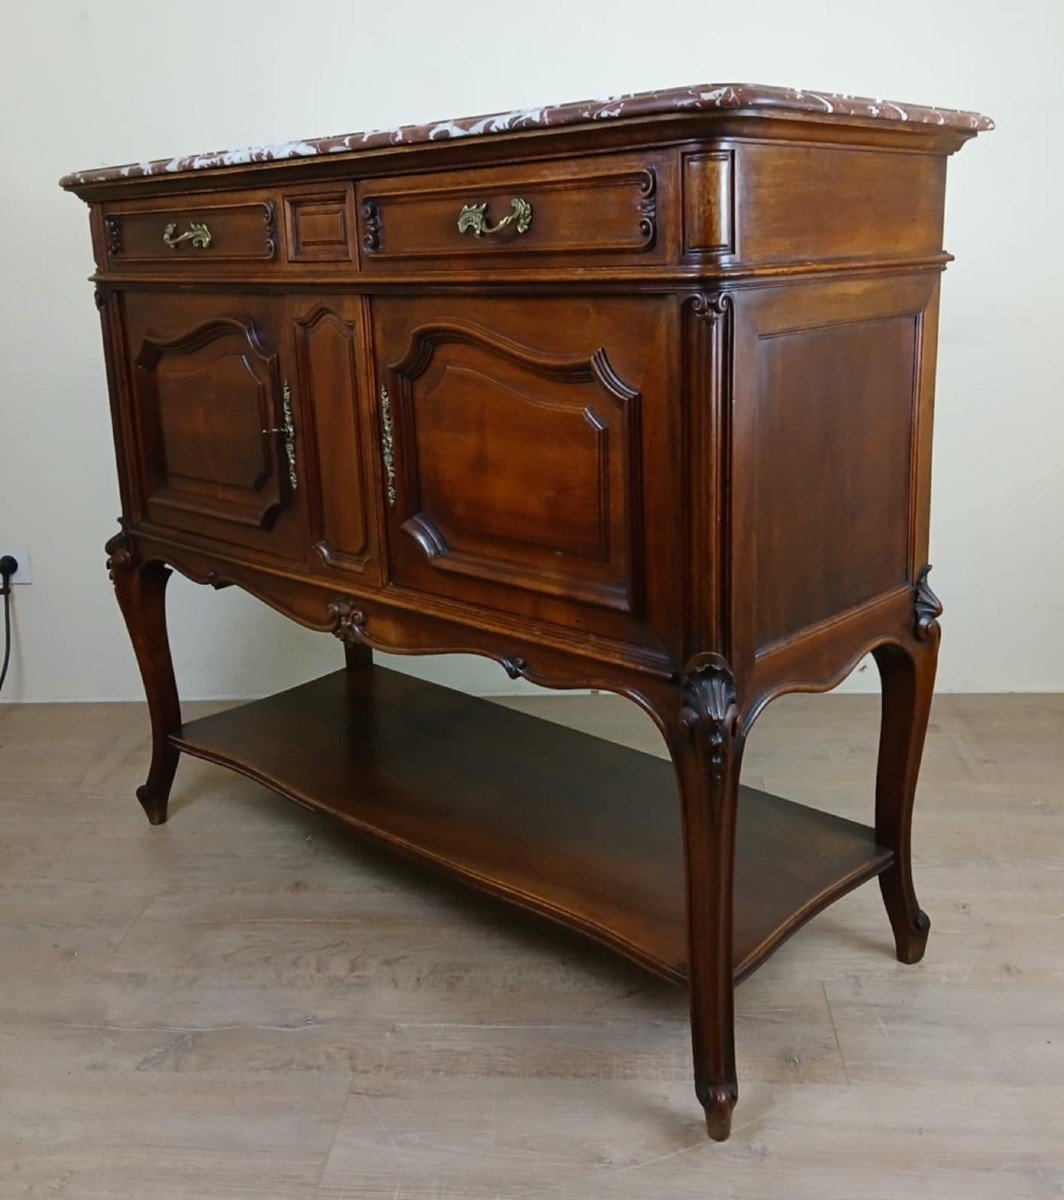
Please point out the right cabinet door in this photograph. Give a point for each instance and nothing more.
(521, 441)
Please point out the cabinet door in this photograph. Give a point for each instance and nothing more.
(217, 422)
(519, 435)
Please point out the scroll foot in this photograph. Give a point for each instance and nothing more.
(719, 1103)
(153, 804)
(910, 929)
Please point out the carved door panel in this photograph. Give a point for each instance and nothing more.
(332, 358)
(516, 442)
(216, 419)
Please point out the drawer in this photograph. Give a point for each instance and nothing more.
(194, 233)
(610, 211)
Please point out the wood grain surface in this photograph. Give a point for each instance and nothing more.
(568, 825)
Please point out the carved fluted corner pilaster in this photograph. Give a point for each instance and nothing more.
(119, 550)
(710, 710)
(349, 621)
(927, 607)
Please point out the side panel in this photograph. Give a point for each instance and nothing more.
(832, 462)
(831, 393)
(801, 204)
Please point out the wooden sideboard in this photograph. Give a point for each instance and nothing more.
(630, 394)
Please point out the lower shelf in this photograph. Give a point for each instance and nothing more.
(579, 829)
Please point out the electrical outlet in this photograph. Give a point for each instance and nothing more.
(22, 554)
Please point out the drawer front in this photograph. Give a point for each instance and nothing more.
(612, 210)
(196, 234)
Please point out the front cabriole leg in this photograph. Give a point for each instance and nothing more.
(908, 679)
(141, 591)
(706, 750)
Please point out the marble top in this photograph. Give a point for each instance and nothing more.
(701, 98)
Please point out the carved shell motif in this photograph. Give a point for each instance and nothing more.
(119, 554)
(349, 621)
(927, 606)
(709, 710)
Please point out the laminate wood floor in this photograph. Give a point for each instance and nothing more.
(247, 1002)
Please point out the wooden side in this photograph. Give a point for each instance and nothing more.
(825, 420)
(832, 464)
(801, 204)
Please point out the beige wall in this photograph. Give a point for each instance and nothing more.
(113, 80)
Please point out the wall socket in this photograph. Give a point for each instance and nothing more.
(22, 553)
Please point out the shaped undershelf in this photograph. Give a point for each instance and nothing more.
(579, 829)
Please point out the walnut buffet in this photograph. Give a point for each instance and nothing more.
(631, 394)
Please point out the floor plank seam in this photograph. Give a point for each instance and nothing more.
(835, 1032)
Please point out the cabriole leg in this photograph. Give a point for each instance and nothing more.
(908, 680)
(707, 752)
(141, 592)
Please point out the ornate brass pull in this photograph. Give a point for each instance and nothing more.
(473, 218)
(288, 432)
(197, 233)
(388, 446)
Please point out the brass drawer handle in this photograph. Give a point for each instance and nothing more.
(288, 432)
(388, 445)
(473, 218)
(197, 233)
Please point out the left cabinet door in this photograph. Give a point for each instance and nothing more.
(216, 418)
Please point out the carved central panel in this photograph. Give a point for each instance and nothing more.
(326, 341)
(517, 467)
(205, 398)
